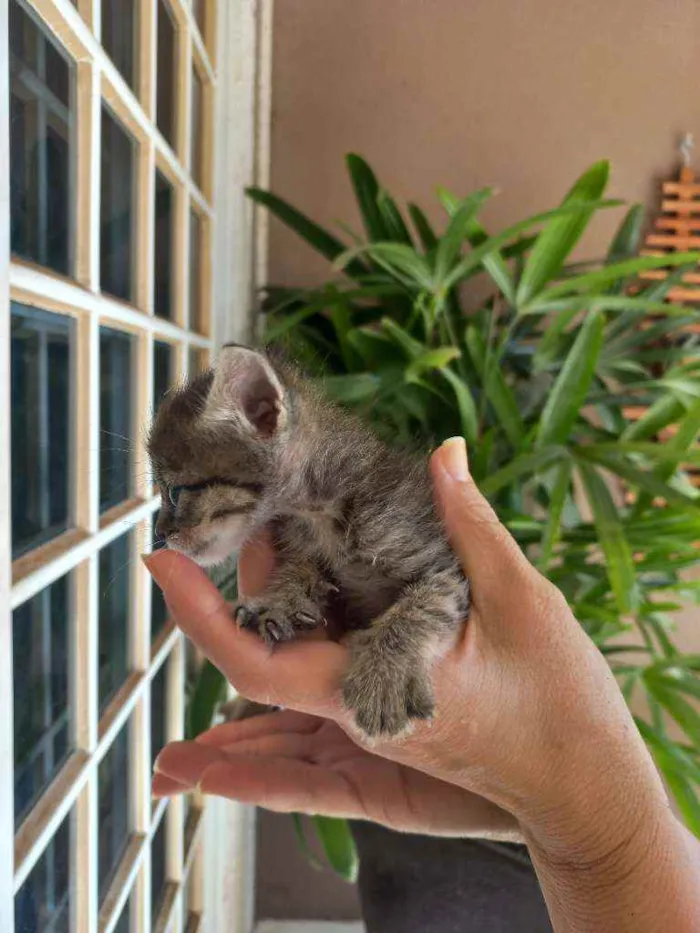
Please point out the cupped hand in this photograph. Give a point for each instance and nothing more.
(526, 708)
(294, 762)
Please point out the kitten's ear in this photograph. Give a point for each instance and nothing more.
(245, 383)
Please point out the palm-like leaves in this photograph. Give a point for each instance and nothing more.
(541, 379)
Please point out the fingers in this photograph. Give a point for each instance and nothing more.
(303, 676)
(282, 783)
(164, 786)
(286, 721)
(283, 786)
(487, 552)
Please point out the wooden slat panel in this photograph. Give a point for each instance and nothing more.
(692, 278)
(680, 189)
(669, 206)
(673, 241)
(680, 224)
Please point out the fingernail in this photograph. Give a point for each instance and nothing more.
(454, 458)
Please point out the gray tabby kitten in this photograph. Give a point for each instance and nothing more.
(356, 536)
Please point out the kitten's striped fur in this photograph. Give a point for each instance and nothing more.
(355, 531)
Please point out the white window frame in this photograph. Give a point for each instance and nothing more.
(220, 880)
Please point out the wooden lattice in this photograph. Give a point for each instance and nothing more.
(676, 230)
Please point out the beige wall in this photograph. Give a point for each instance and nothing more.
(522, 94)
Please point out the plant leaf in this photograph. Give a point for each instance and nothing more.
(450, 244)
(394, 223)
(557, 499)
(476, 258)
(209, 691)
(351, 388)
(561, 234)
(619, 563)
(338, 845)
(608, 275)
(625, 243)
(438, 358)
(497, 390)
(465, 403)
(526, 463)
(572, 384)
(321, 240)
(423, 227)
(366, 189)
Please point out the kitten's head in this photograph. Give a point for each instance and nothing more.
(214, 447)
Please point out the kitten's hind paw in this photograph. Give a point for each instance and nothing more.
(385, 702)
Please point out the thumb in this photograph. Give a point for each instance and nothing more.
(488, 553)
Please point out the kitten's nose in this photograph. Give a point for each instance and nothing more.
(165, 525)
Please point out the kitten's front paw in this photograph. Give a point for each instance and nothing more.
(280, 622)
(385, 696)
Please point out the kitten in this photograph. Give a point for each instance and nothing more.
(356, 535)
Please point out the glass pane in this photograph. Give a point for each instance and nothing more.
(165, 217)
(43, 903)
(115, 417)
(113, 781)
(41, 144)
(117, 209)
(158, 687)
(196, 310)
(197, 134)
(167, 75)
(163, 370)
(119, 36)
(158, 868)
(123, 924)
(42, 365)
(115, 601)
(42, 659)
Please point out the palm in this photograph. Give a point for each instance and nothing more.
(291, 761)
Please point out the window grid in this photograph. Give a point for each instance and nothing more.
(75, 788)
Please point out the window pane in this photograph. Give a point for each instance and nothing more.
(116, 209)
(158, 690)
(163, 370)
(115, 601)
(196, 310)
(42, 365)
(197, 134)
(165, 216)
(123, 924)
(41, 662)
(119, 36)
(41, 145)
(115, 417)
(113, 781)
(167, 77)
(158, 868)
(43, 903)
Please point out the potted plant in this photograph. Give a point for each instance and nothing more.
(577, 387)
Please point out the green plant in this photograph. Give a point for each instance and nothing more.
(540, 379)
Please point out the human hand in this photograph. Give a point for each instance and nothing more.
(528, 715)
